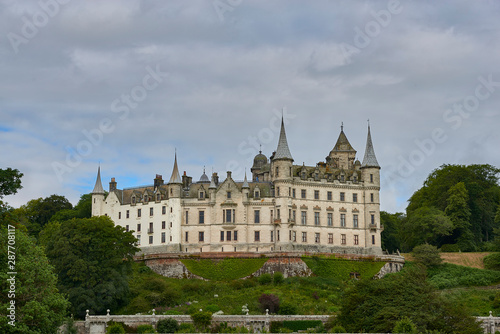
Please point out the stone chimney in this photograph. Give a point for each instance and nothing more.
(112, 185)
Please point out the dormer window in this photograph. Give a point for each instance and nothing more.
(202, 195)
(342, 178)
(133, 199)
(158, 197)
(256, 194)
(303, 175)
(355, 179)
(316, 176)
(228, 195)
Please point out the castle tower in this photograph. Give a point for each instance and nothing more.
(174, 202)
(97, 195)
(281, 163)
(175, 183)
(370, 174)
(245, 189)
(343, 154)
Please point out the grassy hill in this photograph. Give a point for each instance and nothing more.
(473, 260)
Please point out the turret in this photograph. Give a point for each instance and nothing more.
(97, 195)
(175, 183)
(245, 188)
(281, 162)
(342, 155)
(369, 167)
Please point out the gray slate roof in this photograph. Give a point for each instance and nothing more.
(98, 189)
(369, 160)
(283, 152)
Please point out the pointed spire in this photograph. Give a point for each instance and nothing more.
(212, 183)
(98, 189)
(369, 160)
(175, 178)
(342, 142)
(245, 182)
(283, 152)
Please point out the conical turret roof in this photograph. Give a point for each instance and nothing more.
(342, 142)
(98, 189)
(283, 152)
(175, 178)
(369, 160)
(245, 182)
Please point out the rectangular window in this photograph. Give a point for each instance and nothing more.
(201, 236)
(373, 240)
(221, 235)
(290, 235)
(294, 214)
(303, 193)
(228, 194)
(293, 193)
(356, 239)
(187, 217)
(272, 236)
(330, 238)
(201, 218)
(163, 237)
(138, 239)
(278, 191)
(304, 236)
(170, 224)
(316, 238)
(329, 195)
(316, 194)
(342, 197)
(294, 236)
(278, 235)
(355, 221)
(202, 195)
(138, 227)
(126, 228)
(256, 216)
(150, 211)
(128, 214)
(235, 235)
(330, 219)
(228, 235)
(119, 215)
(354, 198)
(228, 215)
(163, 225)
(138, 212)
(373, 219)
(187, 237)
(257, 236)
(278, 215)
(343, 239)
(163, 210)
(371, 178)
(316, 218)
(304, 217)
(342, 219)
(371, 197)
(150, 239)
(256, 194)
(150, 228)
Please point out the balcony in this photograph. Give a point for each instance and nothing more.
(277, 221)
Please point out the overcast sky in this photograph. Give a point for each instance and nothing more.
(125, 83)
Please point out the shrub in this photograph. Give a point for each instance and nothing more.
(300, 325)
(405, 325)
(427, 254)
(287, 308)
(278, 277)
(265, 279)
(492, 261)
(145, 329)
(186, 328)
(115, 328)
(337, 329)
(201, 319)
(269, 302)
(224, 270)
(339, 270)
(275, 326)
(212, 308)
(167, 326)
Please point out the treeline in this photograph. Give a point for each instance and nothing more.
(66, 261)
(457, 209)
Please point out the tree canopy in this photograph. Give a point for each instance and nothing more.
(92, 258)
(40, 308)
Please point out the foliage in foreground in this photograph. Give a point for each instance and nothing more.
(377, 305)
(447, 276)
(39, 307)
(427, 255)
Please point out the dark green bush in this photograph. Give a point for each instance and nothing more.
(278, 278)
(405, 325)
(115, 328)
(186, 328)
(201, 319)
(492, 261)
(265, 279)
(447, 276)
(287, 308)
(145, 329)
(167, 326)
(427, 254)
(212, 308)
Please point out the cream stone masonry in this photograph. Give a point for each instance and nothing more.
(332, 207)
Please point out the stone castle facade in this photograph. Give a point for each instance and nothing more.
(332, 207)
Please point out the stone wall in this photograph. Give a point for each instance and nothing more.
(290, 264)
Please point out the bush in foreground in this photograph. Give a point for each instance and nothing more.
(167, 326)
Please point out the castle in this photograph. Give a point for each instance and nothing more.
(332, 207)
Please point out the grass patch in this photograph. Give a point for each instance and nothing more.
(478, 302)
(447, 276)
(341, 269)
(224, 269)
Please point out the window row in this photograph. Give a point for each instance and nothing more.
(150, 239)
(139, 212)
(329, 195)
